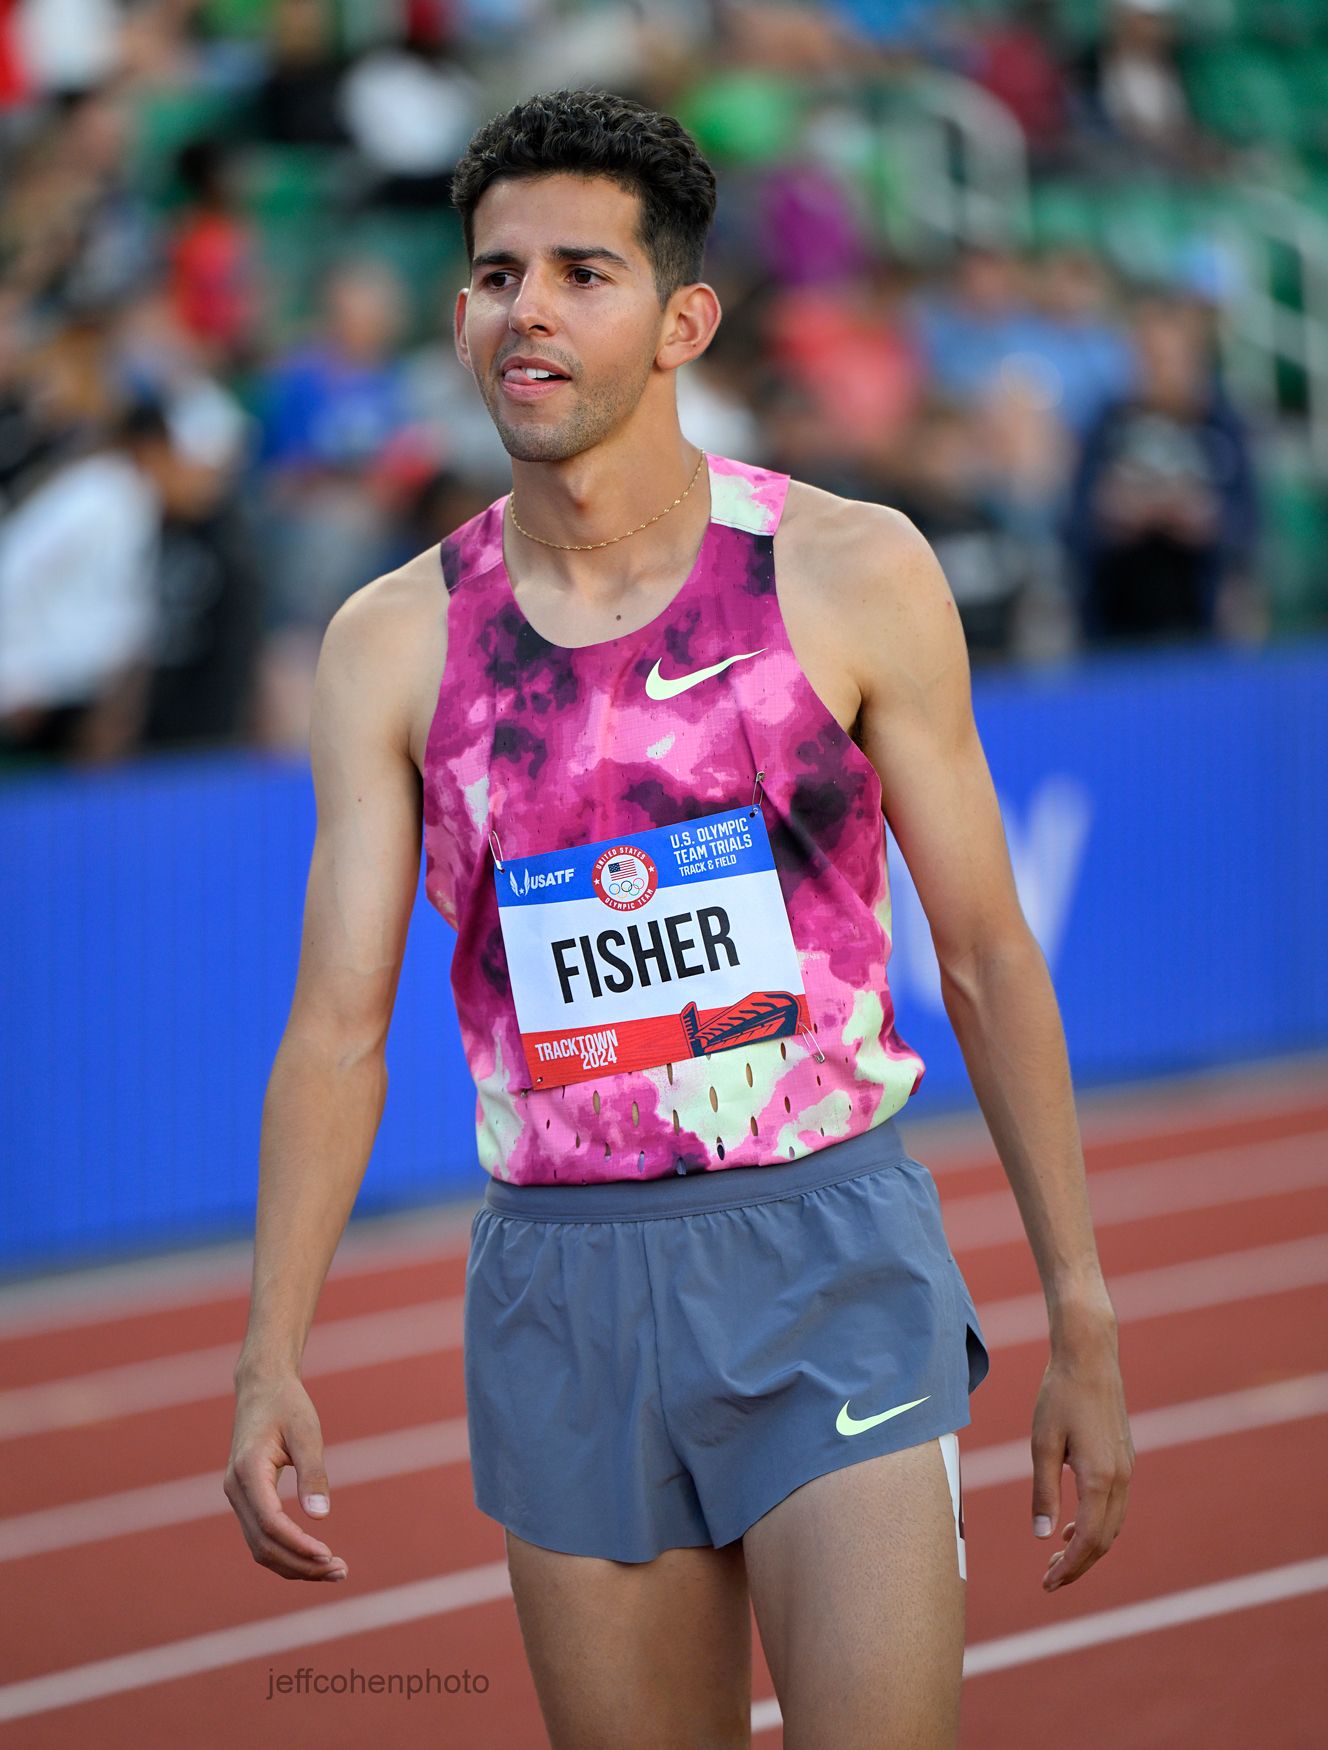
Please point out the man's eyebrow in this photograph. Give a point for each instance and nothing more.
(558, 252)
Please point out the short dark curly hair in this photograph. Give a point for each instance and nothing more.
(597, 133)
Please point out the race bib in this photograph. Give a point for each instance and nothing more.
(633, 952)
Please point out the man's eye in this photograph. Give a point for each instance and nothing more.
(503, 273)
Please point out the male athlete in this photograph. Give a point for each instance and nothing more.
(646, 712)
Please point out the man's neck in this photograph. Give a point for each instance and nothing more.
(593, 498)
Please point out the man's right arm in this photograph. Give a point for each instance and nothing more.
(328, 1084)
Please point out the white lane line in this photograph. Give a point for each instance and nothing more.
(433, 1326)
(254, 1640)
(1185, 1424)
(1148, 1616)
(435, 1597)
(408, 1451)
(376, 1458)
(1162, 1116)
(1154, 1114)
(1173, 1610)
(102, 1293)
(427, 1328)
(1176, 1288)
(1211, 1180)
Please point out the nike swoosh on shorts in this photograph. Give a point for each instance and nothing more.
(846, 1424)
(658, 688)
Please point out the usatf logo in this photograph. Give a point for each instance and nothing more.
(543, 878)
(625, 877)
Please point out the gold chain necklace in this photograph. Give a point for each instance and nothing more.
(585, 546)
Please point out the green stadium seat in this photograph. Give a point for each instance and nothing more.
(283, 183)
(1065, 213)
(292, 194)
(1306, 74)
(1144, 225)
(1241, 94)
(1301, 22)
(166, 120)
(1080, 21)
(1314, 192)
(242, 18)
(1294, 569)
(744, 117)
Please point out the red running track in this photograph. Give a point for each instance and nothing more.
(134, 1616)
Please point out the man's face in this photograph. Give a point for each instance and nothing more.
(1169, 339)
(363, 305)
(988, 278)
(1073, 283)
(590, 312)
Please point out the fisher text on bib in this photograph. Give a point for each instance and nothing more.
(668, 943)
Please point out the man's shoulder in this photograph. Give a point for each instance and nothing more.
(388, 636)
(844, 545)
(865, 579)
(396, 598)
(382, 654)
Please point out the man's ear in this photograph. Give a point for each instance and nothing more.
(689, 325)
(459, 328)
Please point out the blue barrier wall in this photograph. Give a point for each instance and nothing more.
(1165, 816)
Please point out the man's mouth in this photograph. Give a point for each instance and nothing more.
(529, 377)
(524, 381)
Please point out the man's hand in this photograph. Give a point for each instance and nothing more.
(276, 1425)
(1080, 1420)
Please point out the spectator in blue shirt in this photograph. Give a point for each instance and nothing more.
(1086, 353)
(334, 403)
(972, 327)
(331, 413)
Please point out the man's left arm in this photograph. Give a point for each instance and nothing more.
(916, 726)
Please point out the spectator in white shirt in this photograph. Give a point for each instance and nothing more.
(78, 608)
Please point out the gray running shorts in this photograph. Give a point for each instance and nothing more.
(654, 1364)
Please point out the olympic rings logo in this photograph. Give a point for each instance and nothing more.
(625, 877)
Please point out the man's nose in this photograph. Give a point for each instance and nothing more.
(533, 307)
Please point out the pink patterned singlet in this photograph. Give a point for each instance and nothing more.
(555, 746)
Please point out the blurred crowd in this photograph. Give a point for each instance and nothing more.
(228, 394)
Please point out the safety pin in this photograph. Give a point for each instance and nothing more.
(755, 802)
(496, 848)
(811, 1040)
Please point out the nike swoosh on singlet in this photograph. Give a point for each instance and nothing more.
(657, 687)
(846, 1424)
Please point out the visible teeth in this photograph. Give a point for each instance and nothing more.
(536, 375)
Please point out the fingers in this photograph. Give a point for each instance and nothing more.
(1115, 1517)
(1090, 1534)
(1086, 1541)
(274, 1539)
(1048, 1468)
(1080, 1420)
(306, 1450)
